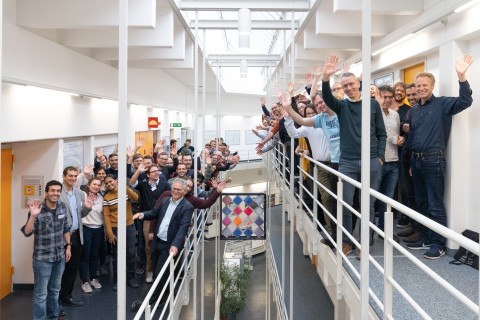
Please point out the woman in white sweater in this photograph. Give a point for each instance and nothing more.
(93, 234)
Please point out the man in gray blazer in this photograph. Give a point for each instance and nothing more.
(77, 208)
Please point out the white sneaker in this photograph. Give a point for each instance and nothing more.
(86, 287)
(149, 278)
(95, 283)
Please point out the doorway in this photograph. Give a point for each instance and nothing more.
(6, 223)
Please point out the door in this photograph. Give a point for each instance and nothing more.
(148, 137)
(410, 72)
(6, 224)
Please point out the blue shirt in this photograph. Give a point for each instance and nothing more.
(73, 207)
(163, 229)
(430, 123)
(331, 128)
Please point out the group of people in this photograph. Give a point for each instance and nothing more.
(409, 132)
(76, 225)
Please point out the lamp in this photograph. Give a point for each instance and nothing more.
(244, 28)
(243, 68)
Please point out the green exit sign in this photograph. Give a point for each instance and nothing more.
(175, 125)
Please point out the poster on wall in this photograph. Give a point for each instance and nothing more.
(31, 189)
(108, 149)
(232, 137)
(384, 80)
(73, 153)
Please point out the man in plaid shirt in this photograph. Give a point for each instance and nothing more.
(47, 221)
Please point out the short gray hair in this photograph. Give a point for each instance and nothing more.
(181, 181)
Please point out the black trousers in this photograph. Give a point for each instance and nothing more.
(71, 267)
(159, 257)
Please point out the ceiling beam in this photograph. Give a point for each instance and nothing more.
(248, 57)
(253, 64)
(254, 5)
(256, 24)
(388, 7)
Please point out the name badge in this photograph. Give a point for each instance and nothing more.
(61, 216)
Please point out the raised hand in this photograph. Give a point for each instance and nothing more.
(140, 143)
(262, 101)
(462, 66)
(221, 186)
(130, 152)
(278, 93)
(330, 67)
(286, 101)
(98, 152)
(291, 88)
(214, 183)
(89, 200)
(88, 171)
(142, 168)
(35, 206)
(308, 78)
(317, 70)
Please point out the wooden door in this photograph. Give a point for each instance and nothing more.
(6, 223)
(410, 72)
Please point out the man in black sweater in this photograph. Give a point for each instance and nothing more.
(349, 112)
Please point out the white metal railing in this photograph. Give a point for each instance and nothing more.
(186, 261)
(277, 286)
(386, 270)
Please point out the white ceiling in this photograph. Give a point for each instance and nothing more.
(162, 33)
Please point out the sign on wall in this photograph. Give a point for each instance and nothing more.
(31, 189)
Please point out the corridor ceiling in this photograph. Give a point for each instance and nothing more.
(162, 33)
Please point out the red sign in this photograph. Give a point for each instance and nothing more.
(153, 122)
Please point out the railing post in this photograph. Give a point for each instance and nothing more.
(315, 195)
(388, 263)
(172, 283)
(339, 238)
(284, 187)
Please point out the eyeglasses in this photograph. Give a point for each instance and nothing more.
(177, 189)
(387, 97)
(164, 159)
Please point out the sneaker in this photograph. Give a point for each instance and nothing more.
(435, 252)
(419, 245)
(403, 222)
(346, 248)
(149, 278)
(95, 284)
(136, 305)
(140, 267)
(86, 287)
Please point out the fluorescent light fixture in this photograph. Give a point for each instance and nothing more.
(244, 28)
(466, 5)
(393, 44)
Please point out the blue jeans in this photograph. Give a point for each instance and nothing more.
(47, 278)
(428, 174)
(388, 182)
(352, 169)
(92, 242)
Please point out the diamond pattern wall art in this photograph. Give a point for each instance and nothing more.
(243, 216)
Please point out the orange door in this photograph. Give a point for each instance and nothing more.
(410, 72)
(147, 148)
(6, 224)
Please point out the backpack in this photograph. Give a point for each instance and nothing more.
(463, 256)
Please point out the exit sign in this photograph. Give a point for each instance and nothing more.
(175, 125)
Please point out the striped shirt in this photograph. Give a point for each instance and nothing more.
(49, 228)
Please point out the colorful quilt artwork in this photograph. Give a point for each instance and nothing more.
(243, 216)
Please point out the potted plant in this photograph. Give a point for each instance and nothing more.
(234, 280)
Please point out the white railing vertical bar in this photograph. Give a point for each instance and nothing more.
(292, 220)
(339, 240)
(365, 168)
(195, 219)
(315, 193)
(284, 188)
(122, 147)
(268, 205)
(388, 264)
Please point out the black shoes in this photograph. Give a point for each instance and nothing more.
(71, 302)
(136, 305)
(132, 283)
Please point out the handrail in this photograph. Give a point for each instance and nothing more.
(387, 234)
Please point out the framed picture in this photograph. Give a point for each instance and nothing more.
(232, 137)
(386, 79)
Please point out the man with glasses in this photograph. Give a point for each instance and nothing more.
(162, 159)
(390, 168)
(150, 190)
(174, 215)
(349, 112)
